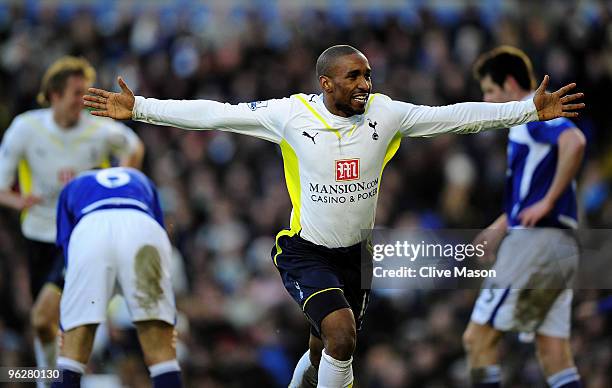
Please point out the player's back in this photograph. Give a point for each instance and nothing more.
(532, 164)
(111, 188)
(111, 230)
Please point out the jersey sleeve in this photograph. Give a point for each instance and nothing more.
(64, 221)
(262, 119)
(121, 139)
(12, 150)
(467, 117)
(549, 131)
(157, 210)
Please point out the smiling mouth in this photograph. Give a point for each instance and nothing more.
(360, 98)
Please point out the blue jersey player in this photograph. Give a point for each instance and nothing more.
(538, 255)
(110, 226)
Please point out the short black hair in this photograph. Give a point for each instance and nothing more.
(327, 59)
(504, 61)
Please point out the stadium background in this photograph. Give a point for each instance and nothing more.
(224, 195)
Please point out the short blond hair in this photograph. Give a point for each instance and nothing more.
(56, 75)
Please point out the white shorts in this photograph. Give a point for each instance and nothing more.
(117, 247)
(532, 291)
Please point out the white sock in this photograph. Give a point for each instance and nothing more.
(335, 373)
(71, 365)
(563, 377)
(301, 367)
(45, 354)
(164, 367)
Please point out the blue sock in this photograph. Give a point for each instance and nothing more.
(486, 377)
(567, 378)
(71, 373)
(70, 379)
(572, 384)
(166, 374)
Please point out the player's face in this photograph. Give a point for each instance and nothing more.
(351, 84)
(492, 92)
(67, 105)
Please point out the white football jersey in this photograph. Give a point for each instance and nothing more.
(333, 165)
(47, 157)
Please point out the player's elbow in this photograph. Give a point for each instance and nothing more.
(138, 155)
(579, 140)
(573, 142)
(135, 158)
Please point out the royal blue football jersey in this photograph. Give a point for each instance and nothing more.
(532, 164)
(111, 188)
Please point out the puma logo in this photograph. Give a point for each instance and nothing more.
(312, 98)
(310, 137)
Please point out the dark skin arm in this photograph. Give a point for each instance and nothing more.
(119, 106)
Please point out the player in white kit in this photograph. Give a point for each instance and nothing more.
(48, 147)
(334, 146)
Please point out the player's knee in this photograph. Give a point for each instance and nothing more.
(554, 354)
(43, 323)
(156, 339)
(469, 340)
(552, 361)
(44, 317)
(478, 338)
(339, 335)
(340, 344)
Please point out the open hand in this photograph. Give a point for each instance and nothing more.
(118, 106)
(489, 239)
(556, 104)
(530, 216)
(29, 201)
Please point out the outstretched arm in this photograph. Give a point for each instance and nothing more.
(118, 106)
(556, 104)
(472, 117)
(265, 120)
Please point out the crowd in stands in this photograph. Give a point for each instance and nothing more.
(225, 198)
